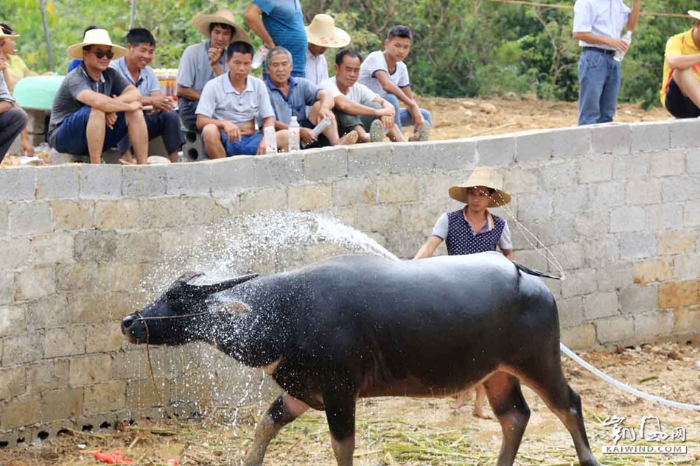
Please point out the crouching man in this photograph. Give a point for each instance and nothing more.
(96, 107)
(229, 106)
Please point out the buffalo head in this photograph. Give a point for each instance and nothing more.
(175, 317)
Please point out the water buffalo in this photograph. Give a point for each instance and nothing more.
(363, 326)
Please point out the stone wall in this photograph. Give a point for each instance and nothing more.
(618, 205)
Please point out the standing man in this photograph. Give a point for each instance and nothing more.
(280, 22)
(298, 97)
(96, 107)
(357, 108)
(202, 62)
(680, 87)
(13, 120)
(230, 105)
(386, 74)
(163, 120)
(597, 27)
(322, 35)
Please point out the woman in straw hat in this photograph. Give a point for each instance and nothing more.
(470, 230)
(13, 120)
(322, 35)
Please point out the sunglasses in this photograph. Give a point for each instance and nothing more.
(100, 54)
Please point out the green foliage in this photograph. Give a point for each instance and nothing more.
(461, 47)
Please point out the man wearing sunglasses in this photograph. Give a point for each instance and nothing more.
(96, 107)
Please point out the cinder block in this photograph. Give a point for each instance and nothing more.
(259, 200)
(496, 151)
(143, 246)
(663, 216)
(72, 215)
(369, 159)
(595, 170)
(570, 311)
(144, 181)
(677, 242)
(17, 183)
(669, 163)
(615, 329)
(395, 189)
(58, 182)
(7, 287)
(522, 180)
(95, 245)
(537, 260)
(101, 181)
(649, 326)
(412, 157)
(49, 312)
(405, 244)
(377, 218)
(578, 283)
(437, 186)
(684, 133)
(188, 179)
(4, 218)
(117, 215)
(231, 174)
(569, 255)
(120, 277)
(649, 136)
(61, 404)
(52, 248)
(676, 295)
(22, 350)
(613, 139)
(67, 341)
(141, 394)
(582, 337)
(420, 216)
(601, 304)
(129, 365)
(625, 219)
(202, 210)
(458, 154)
(165, 212)
(105, 397)
(354, 191)
(310, 197)
(22, 411)
(639, 192)
(572, 200)
(571, 142)
(36, 124)
(47, 375)
(638, 299)
(653, 270)
(691, 214)
(615, 275)
(681, 188)
(637, 245)
(12, 382)
(535, 146)
(686, 321)
(34, 283)
(104, 338)
(30, 218)
(686, 266)
(534, 207)
(634, 167)
(560, 174)
(326, 164)
(15, 253)
(278, 169)
(608, 194)
(693, 161)
(90, 370)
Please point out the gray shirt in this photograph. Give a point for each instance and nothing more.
(301, 94)
(4, 92)
(195, 72)
(221, 101)
(147, 82)
(66, 102)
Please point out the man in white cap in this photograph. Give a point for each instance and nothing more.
(322, 35)
(13, 120)
(96, 107)
(680, 87)
(202, 62)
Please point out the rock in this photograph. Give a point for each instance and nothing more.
(467, 115)
(468, 104)
(675, 355)
(696, 366)
(487, 107)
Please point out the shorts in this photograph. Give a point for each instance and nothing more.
(678, 104)
(248, 145)
(321, 141)
(71, 136)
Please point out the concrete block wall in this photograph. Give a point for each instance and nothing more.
(618, 206)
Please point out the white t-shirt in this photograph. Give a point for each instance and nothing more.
(358, 93)
(376, 62)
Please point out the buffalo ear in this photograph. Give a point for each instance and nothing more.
(220, 286)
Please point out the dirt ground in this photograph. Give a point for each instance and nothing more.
(402, 431)
(460, 118)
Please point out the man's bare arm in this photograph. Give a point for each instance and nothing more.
(253, 16)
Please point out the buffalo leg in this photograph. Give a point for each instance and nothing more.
(511, 410)
(340, 413)
(281, 412)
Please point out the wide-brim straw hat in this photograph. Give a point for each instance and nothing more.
(201, 22)
(3, 35)
(322, 31)
(694, 14)
(482, 176)
(95, 37)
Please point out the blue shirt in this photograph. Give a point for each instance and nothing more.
(147, 82)
(302, 93)
(74, 64)
(285, 24)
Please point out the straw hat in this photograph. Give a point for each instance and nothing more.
(95, 37)
(322, 31)
(3, 35)
(201, 22)
(482, 176)
(694, 14)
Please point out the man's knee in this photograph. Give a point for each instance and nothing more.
(171, 118)
(211, 133)
(97, 114)
(16, 118)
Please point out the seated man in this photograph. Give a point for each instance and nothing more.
(96, 107)
(386, 74)
(291, 96)
(680, 88)
(356, 107)
(202, 62)
(229, 106)
(322, 34)
(163, 121)
(13, 120)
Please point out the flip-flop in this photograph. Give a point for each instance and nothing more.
(376, 131)
(125, 162)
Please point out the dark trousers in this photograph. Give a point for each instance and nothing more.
(166, 124)
(347, 122)
(12, 122)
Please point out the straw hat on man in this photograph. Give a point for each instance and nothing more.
(322, 35)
